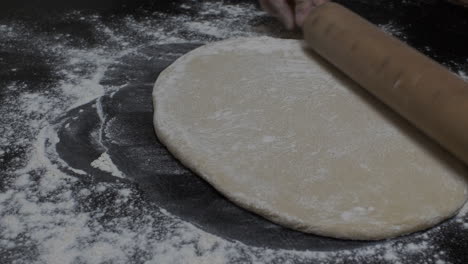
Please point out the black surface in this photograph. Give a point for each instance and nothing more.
(129, 138)
(128, 133)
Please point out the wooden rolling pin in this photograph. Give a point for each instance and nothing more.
(424, 92)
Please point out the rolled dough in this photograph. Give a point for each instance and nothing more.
(282, 133)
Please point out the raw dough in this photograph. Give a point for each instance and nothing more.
(283, 134)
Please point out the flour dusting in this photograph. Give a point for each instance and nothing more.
(463, 75)
(47, 214)
(104, 163)
(393, 29)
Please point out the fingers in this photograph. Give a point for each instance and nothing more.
(283, 10)
(280, 9)
(303, 9)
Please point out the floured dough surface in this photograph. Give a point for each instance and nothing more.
(281, 133)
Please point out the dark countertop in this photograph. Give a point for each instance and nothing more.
(110, 53)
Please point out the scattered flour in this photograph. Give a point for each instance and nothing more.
(104, 163)
(46, 215)
(463, 75)
(393, 29)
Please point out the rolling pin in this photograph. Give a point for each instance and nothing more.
(424, 92)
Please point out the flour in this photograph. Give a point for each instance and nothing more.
(393, 29)
(104, 163)
(45, 214)
(463, 75)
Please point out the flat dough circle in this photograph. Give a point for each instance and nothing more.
(281, 133)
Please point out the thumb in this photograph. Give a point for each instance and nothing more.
(280, 9)
(303, 9)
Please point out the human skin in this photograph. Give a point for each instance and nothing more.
(460, 2)
(292, 13)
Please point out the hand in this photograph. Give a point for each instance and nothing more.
(290, 12)
(460, 2)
